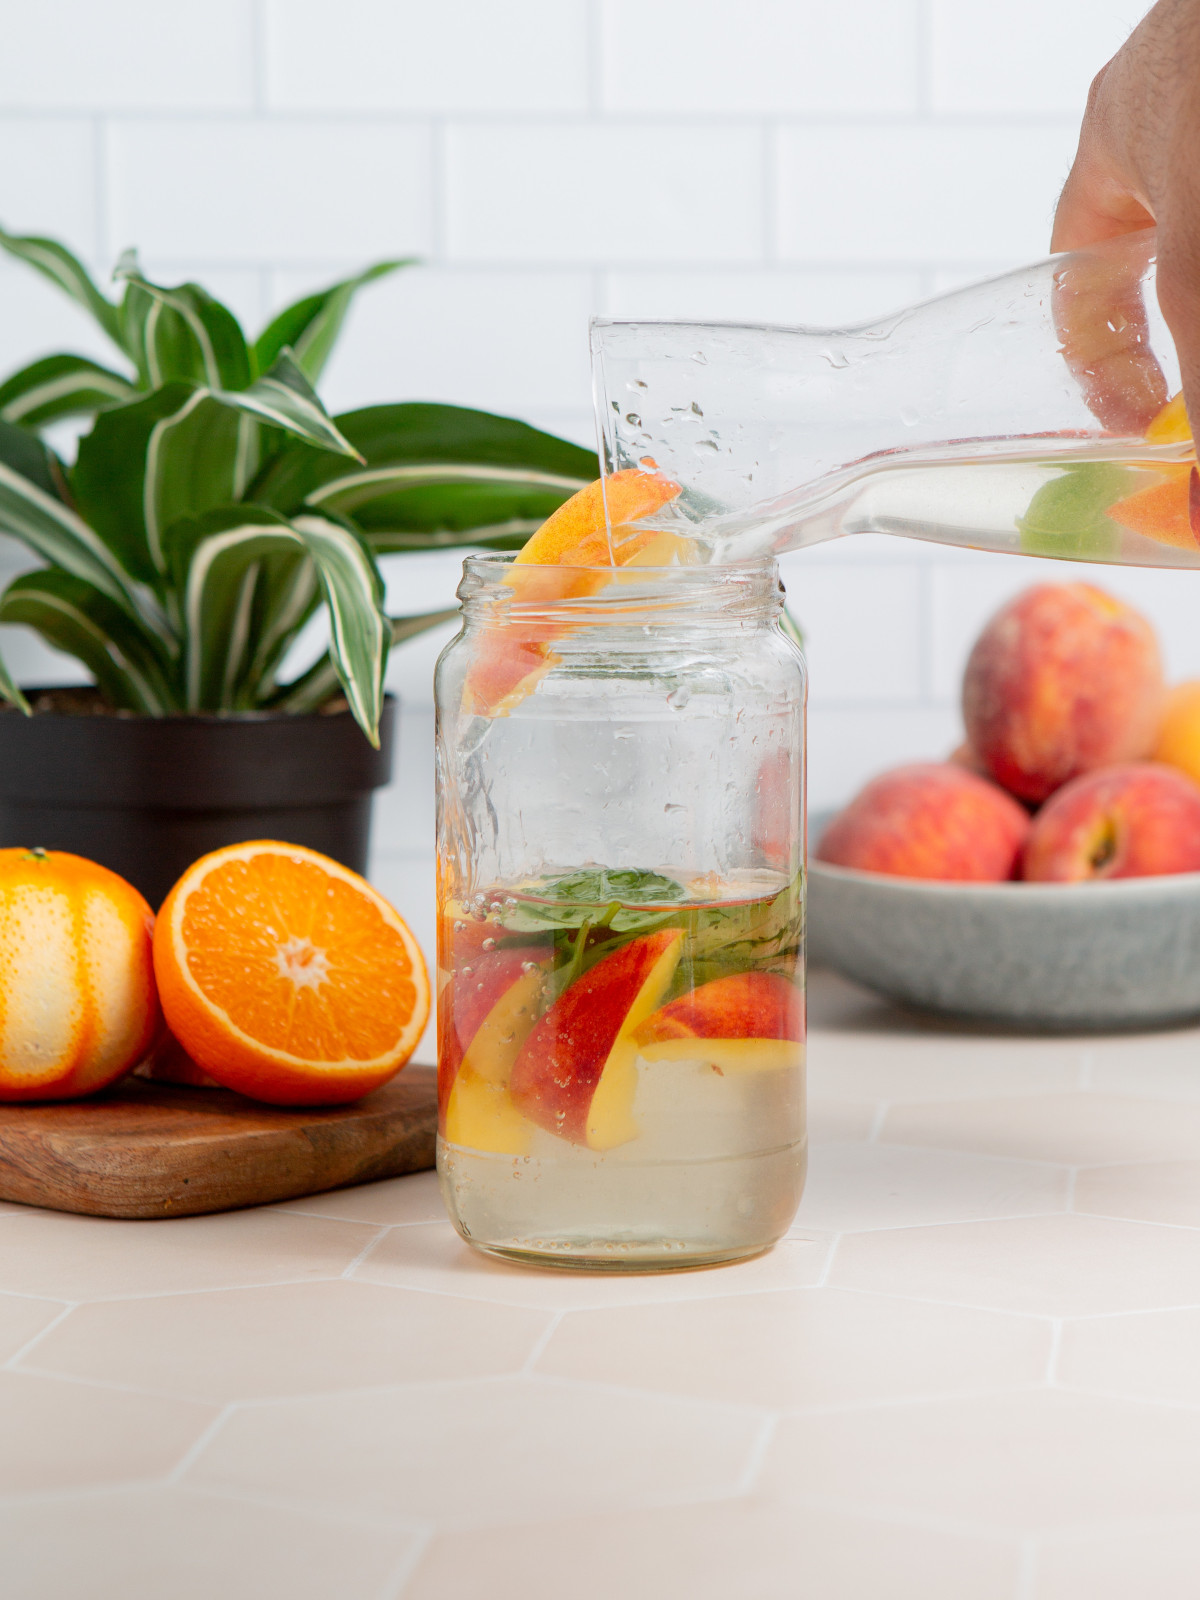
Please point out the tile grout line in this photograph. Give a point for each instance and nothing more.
(405, 1569)
(540, 1344)
(348, 1271)
(11, 1365)
(192, 1454)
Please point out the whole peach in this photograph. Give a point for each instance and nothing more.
(1064, 679)
(1134, 821)
(1179, 736)
(929, 821)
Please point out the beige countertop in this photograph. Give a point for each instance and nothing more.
(972, 1371)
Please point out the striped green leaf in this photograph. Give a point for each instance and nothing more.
(181, 333)
(10, 691)
(31, 511)
(359, 634)
(284, 398)
(431, 469)
(57, 263)
(60, 386)
(175, 453)
(74, 616)
(310, 327)
(240, 564)
(314, 687)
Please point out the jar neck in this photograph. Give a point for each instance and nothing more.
(496, 590)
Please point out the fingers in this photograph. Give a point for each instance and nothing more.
(1179, 297)
(1104, 334)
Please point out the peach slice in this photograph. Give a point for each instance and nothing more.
(750, 1020)
(514, 656)
(576, 1075)
(488, 1010)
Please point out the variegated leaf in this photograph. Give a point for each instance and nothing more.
(231, 557)
(75, 616)
(284, 398)
(433, 469)
(175, 453)
(55, 261)
(315, 686)
(10, 691)
(32, 512)
(181, 333)
(60, 386)
(359, 633)
(309, 327)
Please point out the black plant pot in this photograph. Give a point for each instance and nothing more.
(147, 795)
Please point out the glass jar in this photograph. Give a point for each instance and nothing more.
(621, 914)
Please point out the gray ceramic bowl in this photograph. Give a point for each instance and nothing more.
(1066, 956)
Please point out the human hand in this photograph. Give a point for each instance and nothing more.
(1138, 165)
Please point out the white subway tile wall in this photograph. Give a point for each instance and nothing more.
(779, 160)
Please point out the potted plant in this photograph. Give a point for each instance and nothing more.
(211, 510)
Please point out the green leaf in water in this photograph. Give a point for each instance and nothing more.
(1067, 517)
(598, 887)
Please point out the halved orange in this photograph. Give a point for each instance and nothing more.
(287, 976)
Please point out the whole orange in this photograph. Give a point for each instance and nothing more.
(1179, 737)
(77, 1001)
(288, 977)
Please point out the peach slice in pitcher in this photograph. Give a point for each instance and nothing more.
(1169, 510)
(515, 655)
(576, 1075)
(749, 1020)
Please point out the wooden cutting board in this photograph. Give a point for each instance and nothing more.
(162, 1150)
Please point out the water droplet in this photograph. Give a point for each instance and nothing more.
(673, 806)
(637, 383)
(836, 358)
(909, 416)
(700, 357)
(696, 411)
(678, 698)
(706, 447)
(632, 418)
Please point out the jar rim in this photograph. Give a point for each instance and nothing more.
(742, 589)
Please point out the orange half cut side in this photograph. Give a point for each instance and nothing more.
(288, 977)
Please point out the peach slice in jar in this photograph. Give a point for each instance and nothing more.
(576, 1075)
(745, 1021)
(514, 656)
(488, 1009)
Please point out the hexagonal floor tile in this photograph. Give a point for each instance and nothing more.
(853, 1187)
(814, 1347)
(413, 1198)
(1021, 1462)
(21, 1318)
(1081, 1129)
(303, 1338)
(1151, 1356)
(60, 1435)
(137, 1544)
(1065, 1266)
(434, 1257)
(728, 1550)
(462, 1453)
(96, 1258)
(1161, 1191)
(1160, 1562)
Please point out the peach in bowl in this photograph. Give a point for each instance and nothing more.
(936, 889)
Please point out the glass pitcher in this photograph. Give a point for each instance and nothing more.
(1029, 413)
(621, 917)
